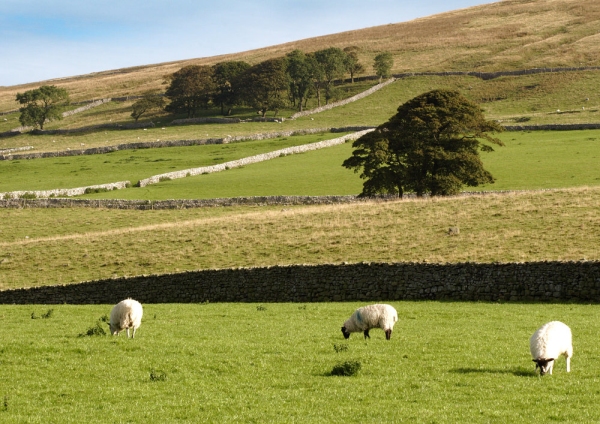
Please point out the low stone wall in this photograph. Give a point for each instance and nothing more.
(552, 127)
(368, 282)
(64, 192)
(18, 203)
(343, 102)
(174, 143)
(251, 159)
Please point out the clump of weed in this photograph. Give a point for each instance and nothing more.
(346, 369)
(157, 375)
(340, 347)
(302, 308)
(261, 308)
(96, 330)
(5, 403)
(28, 195)
(161, 179)
(48, 314)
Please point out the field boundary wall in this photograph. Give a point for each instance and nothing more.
(368, 282)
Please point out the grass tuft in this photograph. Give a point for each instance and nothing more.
(346, 369)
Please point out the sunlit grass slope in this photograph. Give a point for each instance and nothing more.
(56, 246)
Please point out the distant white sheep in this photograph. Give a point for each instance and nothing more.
(549, 342)
(372, 316)
(125, 315)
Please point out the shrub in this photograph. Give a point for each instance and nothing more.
(157, 375)
(340, 347)
(97, 330)
(346, 369)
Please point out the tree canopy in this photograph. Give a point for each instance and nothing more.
(431, 146)
(150, 101)
(263, 85)
(224, 75)
(191, 88)
(383, 64)
(41, 105)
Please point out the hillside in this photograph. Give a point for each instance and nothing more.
(510, 34)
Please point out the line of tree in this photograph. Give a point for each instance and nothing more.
(267, 86)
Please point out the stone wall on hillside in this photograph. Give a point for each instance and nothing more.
(368, 282)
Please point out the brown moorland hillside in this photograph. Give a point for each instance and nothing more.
(505, 35)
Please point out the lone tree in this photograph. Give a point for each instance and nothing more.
(352, 64)
(383, 65)
(41, 105)
(429, 147)
(150, 101)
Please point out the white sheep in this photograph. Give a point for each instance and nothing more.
(125, 315)
(549, 342)
(372, 316)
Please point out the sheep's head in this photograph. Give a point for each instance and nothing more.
(114, 330)
(545, 365)
(345, 332)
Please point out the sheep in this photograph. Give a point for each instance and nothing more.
(550, 341)
(125, 315)
(371, 316)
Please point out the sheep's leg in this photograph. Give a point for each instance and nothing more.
(568, 364)
(366, 333)
(388, 334)
(133, 333)
(127, 332)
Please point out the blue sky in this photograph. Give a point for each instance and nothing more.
(43, 39)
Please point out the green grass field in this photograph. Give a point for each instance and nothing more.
(445, 363)
(530, 160)
(133, 165)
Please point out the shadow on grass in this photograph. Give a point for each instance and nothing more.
(518, 372)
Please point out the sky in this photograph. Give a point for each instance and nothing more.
(43, 39)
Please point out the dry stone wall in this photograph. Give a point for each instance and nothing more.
(368, 282)
(343, 102)
(251, 159)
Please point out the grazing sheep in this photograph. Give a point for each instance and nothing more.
(371, 316)
(125, 315)
(549, 342)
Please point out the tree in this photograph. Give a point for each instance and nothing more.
(429, 147)
(224, 73)
(383, 65)
(41, 105)
(191, 88)
(353, 66)
(332, 62)
(300, 69)
(263, 85)
(150, 101)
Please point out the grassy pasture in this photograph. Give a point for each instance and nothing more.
(529, 160)
(532, 99)
(445, 363)
(62, 246)
(133, 165)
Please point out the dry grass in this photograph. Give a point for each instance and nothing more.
(65, 246)
(510, 34)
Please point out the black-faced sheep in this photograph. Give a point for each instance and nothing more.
(372, 316)
(549, 342)
(125, 315)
